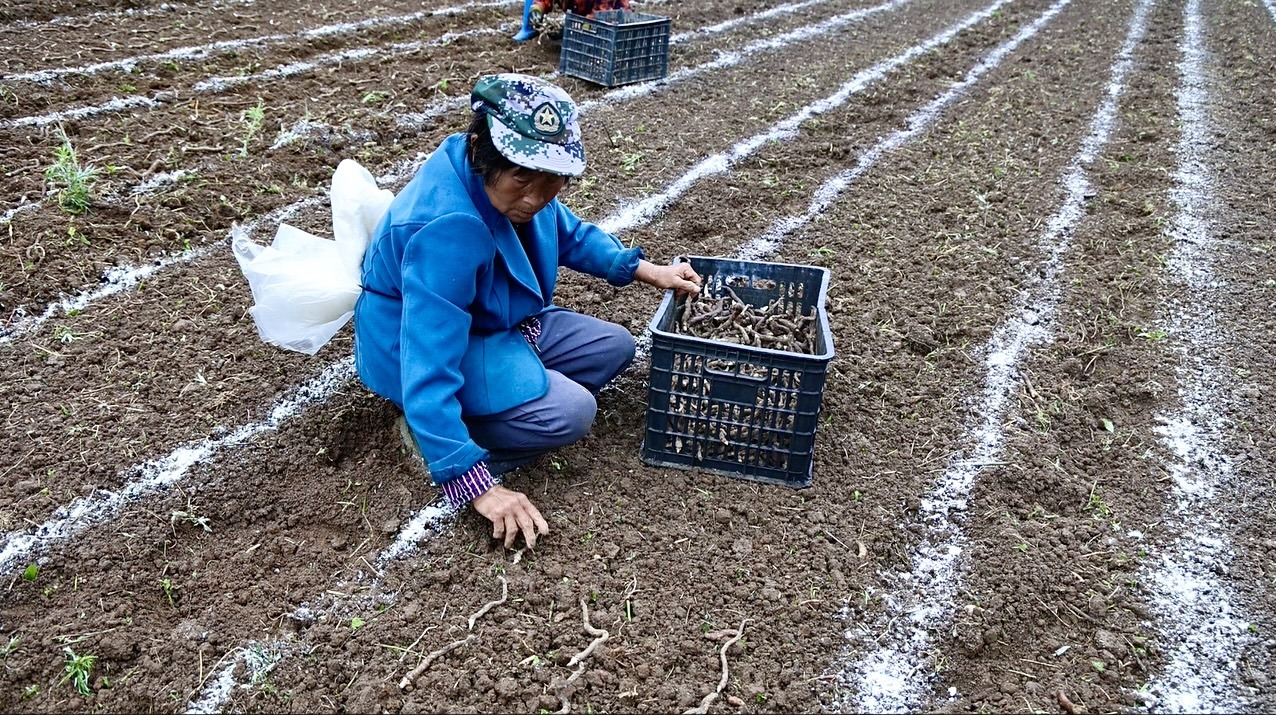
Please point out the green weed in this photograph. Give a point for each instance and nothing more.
(169, 588)
(1096, 503)
(74, 236)
(12, 645)
(76, 181)
(190, 516)
(79, 668)
(252, 119)
(630, 161)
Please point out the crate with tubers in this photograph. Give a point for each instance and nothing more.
(737, 373)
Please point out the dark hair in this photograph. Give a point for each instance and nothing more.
(485, 159)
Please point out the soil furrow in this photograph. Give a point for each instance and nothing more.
(1053, 513)
(1241, 43)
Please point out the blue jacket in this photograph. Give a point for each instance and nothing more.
(446, 281)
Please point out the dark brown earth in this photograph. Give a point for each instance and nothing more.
(142, 416)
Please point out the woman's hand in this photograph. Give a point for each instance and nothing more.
(678, 276)
(510, 513)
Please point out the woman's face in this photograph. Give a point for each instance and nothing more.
(520, 193)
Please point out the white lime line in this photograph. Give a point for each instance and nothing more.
(733, 23)
(125, 277)
(292, 69)
(1271, 8)
(1204, 633)
(201, 52)
(159, 181)
(436, 109)
(121, 14)
(261, 658)
(921, 601)
(218, 690)
(122, 277)
(324, 132)
(115, 104)
(642, 211)
(258, 658)
(219, 84)
(728, 59)
(7, 217)
(159, 474)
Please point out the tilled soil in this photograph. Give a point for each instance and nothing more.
(1042, 467)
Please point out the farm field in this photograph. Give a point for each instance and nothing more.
(1044, 467)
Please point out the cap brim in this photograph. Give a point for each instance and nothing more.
(561, 159)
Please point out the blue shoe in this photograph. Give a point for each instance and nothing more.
(527, 32)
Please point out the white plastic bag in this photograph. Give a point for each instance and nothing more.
(304, 287)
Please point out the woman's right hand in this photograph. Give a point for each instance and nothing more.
(511, 512)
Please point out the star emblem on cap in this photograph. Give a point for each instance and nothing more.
(547, 120)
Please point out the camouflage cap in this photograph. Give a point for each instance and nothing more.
(534, 123)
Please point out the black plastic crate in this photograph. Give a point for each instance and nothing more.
(615, 47)
(739, 410)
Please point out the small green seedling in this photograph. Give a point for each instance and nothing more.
(629, 162)
(189, 515)
(79, 668)
(31, 572)
(252, 118)
(12, 645)
(169, 588)
(75, 181)
(356, 623)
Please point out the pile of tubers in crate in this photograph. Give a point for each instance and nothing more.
(727, 318)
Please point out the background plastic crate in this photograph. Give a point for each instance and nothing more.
(738, 410)
(615, 47)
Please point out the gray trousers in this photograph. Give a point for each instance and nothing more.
(581, 354)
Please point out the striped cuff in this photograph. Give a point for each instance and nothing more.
(463, 489)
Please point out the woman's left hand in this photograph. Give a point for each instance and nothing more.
(678, 276)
